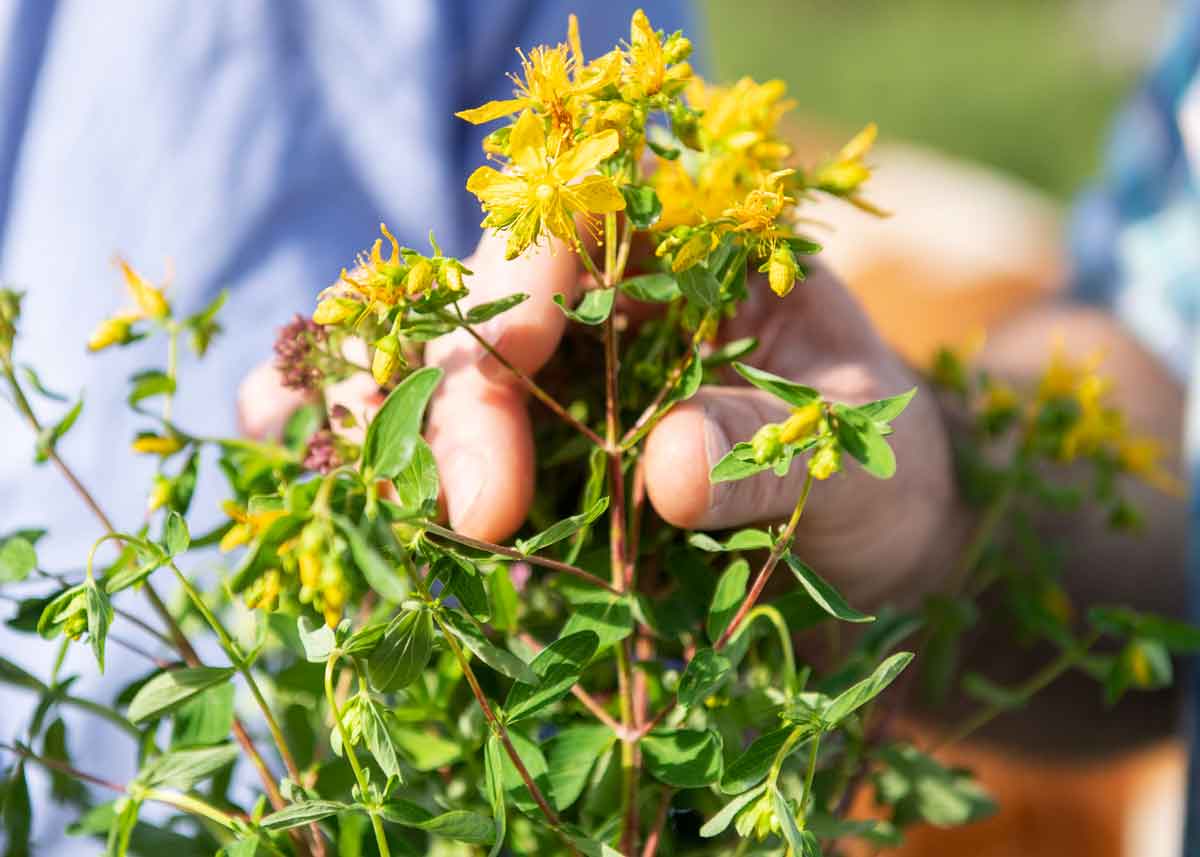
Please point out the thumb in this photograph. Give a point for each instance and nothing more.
(478, 424)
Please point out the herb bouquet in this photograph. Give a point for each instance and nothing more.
(606, 684)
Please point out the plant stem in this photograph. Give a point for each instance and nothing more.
(1034, 684)
(180, 641)
(532, 386)
(660, 821)
(809, 775)
(782, 544)
(513, 553)
(172, 368)
(351, 756)
(502, 733)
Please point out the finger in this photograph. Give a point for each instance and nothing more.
(264, 404)
(478, 424)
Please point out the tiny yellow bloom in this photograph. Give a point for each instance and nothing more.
(825, 462)
(650, 71)
(420, 277)
(157, 444)
(802, 423)
(782, 270)
(335, 310)
(694, 250)
(1143, 457)
(541, 192)
(150, 300)
(112, 331)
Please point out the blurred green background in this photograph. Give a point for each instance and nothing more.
(1028, 86)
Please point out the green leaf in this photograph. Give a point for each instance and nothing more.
(317, 638)
(502, 661)
(205, 719)
(983, 689)
(493, 774)
(302, 813)
(247, 847)
(886, 410)
(17, 813)
(921, 789)
(573, 752)
(874, 830)
(176, 538)
(736, 464)
(12, 674)
(595, 609)
(796, 395)
(752, 766)
(504, 599)
(860, 436)
(858, 695)
(18, 559)
(417, 484)
(204, 326)
(742, 540)
(728, 597)
(31, 376)
(403, 653)
(150, 383)
(99, 618)
(595, 307)
(464, 581)
(169, 690)
(182, 769)
(457, 824)
(562, 529)
(716, 825)
(49, 436)
(689, 382)
(379, 573)
(730, 352)
(63, 787)
(121, 830)
(652, 288)
(700, 287)
(705, 672)
(683, 758)
(378, 739)
(425, 750)
(485, 312)
(801, 842)
(558, 667)
(1179, 637)
(642, 205)
(392, 436)
(535, 765)
(824, 595)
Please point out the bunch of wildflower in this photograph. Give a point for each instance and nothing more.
(297, 352)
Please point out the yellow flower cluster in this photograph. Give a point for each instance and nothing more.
(379, 282)
(149, 301)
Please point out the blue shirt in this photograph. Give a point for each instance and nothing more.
(253, 145)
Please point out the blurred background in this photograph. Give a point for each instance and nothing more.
(993, 115)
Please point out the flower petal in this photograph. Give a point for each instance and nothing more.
(527, 145)
(491, 110)
(597, 194)
(586, 155)
(497, 189)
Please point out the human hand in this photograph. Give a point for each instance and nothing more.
(870, 537)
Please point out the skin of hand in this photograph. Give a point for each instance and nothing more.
(872, 538)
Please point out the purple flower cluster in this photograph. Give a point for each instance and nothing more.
(322, 453)
(295, 353)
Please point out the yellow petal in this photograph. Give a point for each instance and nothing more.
(597, 194)
(149, 299)
(574, 41)
(860, 145)
(586, 155)
(527, 145)
(494, 188)
(491, 110)
(524, 232)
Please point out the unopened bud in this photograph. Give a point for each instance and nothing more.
(157, 444)
(335, 310)
(802, 423)
(765, 443)
(111, 331)
(419, 278)
(692, 252)
(160, 493)
(825, 462)
(387, 359)
(781, 270)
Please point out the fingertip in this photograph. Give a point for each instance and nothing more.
(264, 404)
(676, 461)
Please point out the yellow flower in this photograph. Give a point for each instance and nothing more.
(378, 279)
(845, 174)
(650, 71)
(157, 444)
(247, 525)
(802, 423)
(112, 331)
(743, 117)
(539, 193)
(759, 212)
(553, 81)
(150, 299)
(1143, 457)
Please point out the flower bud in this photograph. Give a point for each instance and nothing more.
(387, 359)
(685, 125)
(75, 626)
(781, 270)
(236, 536)
(160, 493)
(111, 331)
(693, 251)
(149, 299)
(450, 275)
(157, 444)
(825, 462)
(335, 310)
(802, 423)
(419, 278)
(677, 48)
(765, 443)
